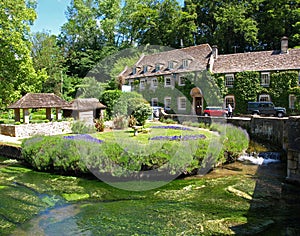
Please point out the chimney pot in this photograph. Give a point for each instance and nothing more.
(284, 44)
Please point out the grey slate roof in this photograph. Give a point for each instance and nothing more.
(39, 100)
(258, 61)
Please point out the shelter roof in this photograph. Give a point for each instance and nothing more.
(39, 100)
(85, 104)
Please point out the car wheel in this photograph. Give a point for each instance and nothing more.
(279, 114)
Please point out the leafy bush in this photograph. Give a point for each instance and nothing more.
(120, 122)
(80, 127)
(99, 125)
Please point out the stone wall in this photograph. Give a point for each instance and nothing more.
(26, 130)
(293, 165)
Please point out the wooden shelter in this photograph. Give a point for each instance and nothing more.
(85, 109)
(38, 100)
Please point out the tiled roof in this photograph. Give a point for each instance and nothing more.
(85, 104)
(257, 61)
(39, 100)
(197, 57)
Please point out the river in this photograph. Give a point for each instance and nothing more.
(239, 198)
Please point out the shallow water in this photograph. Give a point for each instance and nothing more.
(61, 205)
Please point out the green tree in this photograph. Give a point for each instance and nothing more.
(17, 73)
(46, 55)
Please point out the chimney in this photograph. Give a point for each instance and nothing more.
(215, 51)
(284, 45)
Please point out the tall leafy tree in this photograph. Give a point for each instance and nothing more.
(47, 56)
(17, 74)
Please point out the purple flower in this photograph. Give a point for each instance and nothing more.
(84, 137)
(180, 137)
(171, 127)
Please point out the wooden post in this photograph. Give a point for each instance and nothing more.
(48, 113)
(17, 114)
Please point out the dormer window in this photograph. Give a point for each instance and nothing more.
(157, 67)
(134, 70)
(185, 63)
(145, 69)
(265, 79)
(170, 65)
(229, 80)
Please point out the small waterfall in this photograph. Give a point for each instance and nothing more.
(263, 158)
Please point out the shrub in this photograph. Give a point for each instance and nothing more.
(80, 127)
(120, 122)
(99, 125)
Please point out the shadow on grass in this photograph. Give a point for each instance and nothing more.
(275, 206)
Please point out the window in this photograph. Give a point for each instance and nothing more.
(154, 102)
(265, 79)
(134, 70)
(170, 65)
(229, 80)
(182, 81)
(131, 82)
(185, 63)
(264, 98)
(182, 103)
(168, 82)
(145, 69)
(292, 101)
(167, 103)
(157, 67)
(154, 83)
(142, 83)
(229, 100)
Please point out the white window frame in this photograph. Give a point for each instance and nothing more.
(232, 101)
(154, 102)
(229, 80)
(181, 102)
(167, 84)
(167, 103)
(292, 101)
(170, 65)
(154, 83)
(145, 68)
(134, 70)
(142, 83)
(157, 67)
(265, 79)
(185, 63)
(264, 98)
(181, 81)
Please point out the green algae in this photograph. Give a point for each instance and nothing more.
(75, 196)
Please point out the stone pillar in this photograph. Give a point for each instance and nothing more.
(17, 114)
(293, 163)
(58, 113)
(26, 116)
(48, 113)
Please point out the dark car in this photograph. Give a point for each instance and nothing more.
(215, 111)
(265, 108)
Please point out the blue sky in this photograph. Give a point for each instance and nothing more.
(51, 16)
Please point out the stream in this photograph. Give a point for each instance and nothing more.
(248, 197)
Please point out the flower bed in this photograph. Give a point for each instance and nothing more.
(179, 137)
(85, 137)
(172, 127)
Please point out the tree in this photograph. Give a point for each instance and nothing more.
(47, 56)
(17, 73)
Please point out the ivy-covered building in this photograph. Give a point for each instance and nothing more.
(189, 79)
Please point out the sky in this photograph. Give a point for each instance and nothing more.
(51, 16)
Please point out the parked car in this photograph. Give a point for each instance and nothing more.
(265, 108)
(215, 111)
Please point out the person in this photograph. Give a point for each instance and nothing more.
(229, 111)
